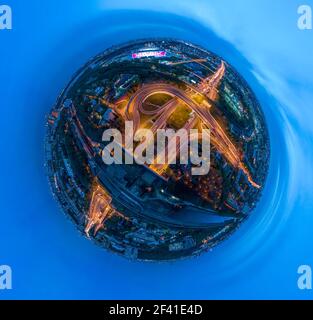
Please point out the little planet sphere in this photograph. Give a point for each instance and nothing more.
(155, 211)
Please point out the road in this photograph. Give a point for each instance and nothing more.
(99, 210)
(218, 136)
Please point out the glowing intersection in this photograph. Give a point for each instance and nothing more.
(100, 209)
(208, 87)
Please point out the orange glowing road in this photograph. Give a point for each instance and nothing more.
(207, 87)
(100, 210)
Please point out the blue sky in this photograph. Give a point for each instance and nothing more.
(50, 40)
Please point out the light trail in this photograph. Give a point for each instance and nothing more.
(209, 85)
(100, 210)
(219, 137)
